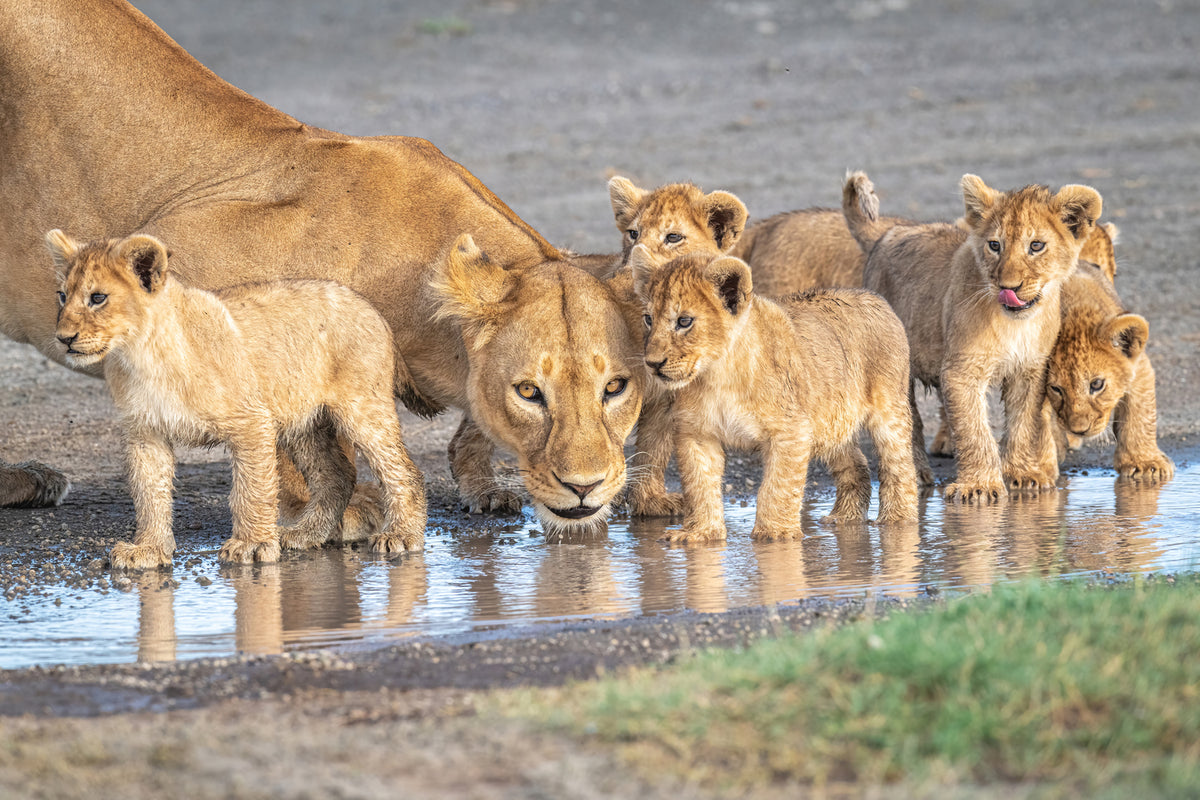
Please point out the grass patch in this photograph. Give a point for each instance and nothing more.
(445, 26)
(1084, 688)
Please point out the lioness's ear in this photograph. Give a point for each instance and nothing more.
(1128, 333)
(625, 198)
(147, 257)
(641, 263)
(731, 276)
(978, 198)
(62, 249)
(1078, 207)
(726, 216)
(470, 286)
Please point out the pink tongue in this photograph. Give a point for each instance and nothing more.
(1009, 298)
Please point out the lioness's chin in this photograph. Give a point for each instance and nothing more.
(575, 520)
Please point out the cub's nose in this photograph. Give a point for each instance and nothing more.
(655, 365)
(68, 340)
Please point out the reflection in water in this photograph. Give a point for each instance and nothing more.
(490, 576)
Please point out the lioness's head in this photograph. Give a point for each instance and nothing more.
(1027, 241)
(693, 307)
(103, 287)
(675, 219)
(553, 376)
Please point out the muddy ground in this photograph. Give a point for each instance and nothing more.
(544, 101)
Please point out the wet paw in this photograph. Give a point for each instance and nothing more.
(32, 485)
(1150, 470)
(660, 504)
(500, 501)
(126, 555)
(396, 542)
(239, 551)
(695, 535)
(1029, 483)
(981, 492)
(770, 533)
(302, 537)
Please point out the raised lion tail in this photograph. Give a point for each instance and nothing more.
(860, 207)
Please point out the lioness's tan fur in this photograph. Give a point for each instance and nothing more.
(294, 362)
(123, 132)
(1099, 369)
(946, 283)
(792, 379)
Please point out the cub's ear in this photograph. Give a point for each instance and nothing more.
(62, 249)
(1078, 207)
(1128, 333)
(641, 263)
(625, 198)
(1114, 233)
(147, 257)
(726, 216)
(978, 198)
(731, 277)
(471, 289)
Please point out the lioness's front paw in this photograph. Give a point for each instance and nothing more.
(660, 504)
(240, 551)
(976, 492)
(127, 555)
(1150, 469)
(499, 501)
(302, 537)
(686, 535)
(394, 542)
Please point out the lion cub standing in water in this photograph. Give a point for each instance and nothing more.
(794, 378)
(293, 363)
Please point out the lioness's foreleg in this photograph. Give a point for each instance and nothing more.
(151, 465)
(31, 485)
(1135, 426)
(978, 478)
(1030, 460)
(701, 467)
(252, 498)
(329, 474)
(471, 465)
(648, 495)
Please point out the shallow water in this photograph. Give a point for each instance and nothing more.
(485, 578)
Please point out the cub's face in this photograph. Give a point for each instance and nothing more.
(675, 219)
(1027, 241)
(100, 297)
(687, 327)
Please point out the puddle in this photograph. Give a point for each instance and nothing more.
(495, 578)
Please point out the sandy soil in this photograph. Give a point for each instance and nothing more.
(544, 101)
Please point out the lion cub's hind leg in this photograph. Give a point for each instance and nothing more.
(329, 474)
(852, 476)
(891, 429)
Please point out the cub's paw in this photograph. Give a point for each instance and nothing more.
(982, 492)
(395, 542)
(696, 535)
(1029, 482)
(1151, 469)
(302, 537)
(126, 555)
(497, 501)
(658, 504)
(942, 446)
(363, 518)
(771, 533)
(240, 551)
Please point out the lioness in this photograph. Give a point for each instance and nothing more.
(980, 302)
(250, 366)
(245, 193)
(1099, 368)
(794, 378)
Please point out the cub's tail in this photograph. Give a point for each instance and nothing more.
(860, 207)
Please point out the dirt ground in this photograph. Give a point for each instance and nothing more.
(544, 100)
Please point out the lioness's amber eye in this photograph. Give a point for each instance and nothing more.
(97, 298)
(633, 234)
(674, 238)
(994, 245)
(683, 323)
(646, 318)
(529, 390)
(1096, 385)
(62, 298)
(1056, 389)
(1037, 247)
(615, 387)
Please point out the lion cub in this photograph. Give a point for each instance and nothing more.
(292, 364)
(794, 378)
(980, 302)
(1099, 368)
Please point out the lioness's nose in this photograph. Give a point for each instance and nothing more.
(581, 490)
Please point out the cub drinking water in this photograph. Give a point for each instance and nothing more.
(293, 364)
(792, 379)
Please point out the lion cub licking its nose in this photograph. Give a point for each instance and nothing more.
(293, 364)
(792, 379)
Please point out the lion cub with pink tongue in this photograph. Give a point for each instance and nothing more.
(793, 379)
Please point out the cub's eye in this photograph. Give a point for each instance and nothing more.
(646, 318)
(1037, 247)
(683, 323)
(674, 238)
(529, 391)
(615, 387)
(1096, 386)
(1056, 389)
(97, 299)
(62, 298)
(633, 234)
(994, 245)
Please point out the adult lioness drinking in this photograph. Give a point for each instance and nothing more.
(243, 193)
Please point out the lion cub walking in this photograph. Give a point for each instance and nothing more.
(293, 364)
(794, 378)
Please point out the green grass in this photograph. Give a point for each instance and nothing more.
(1062, 687)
